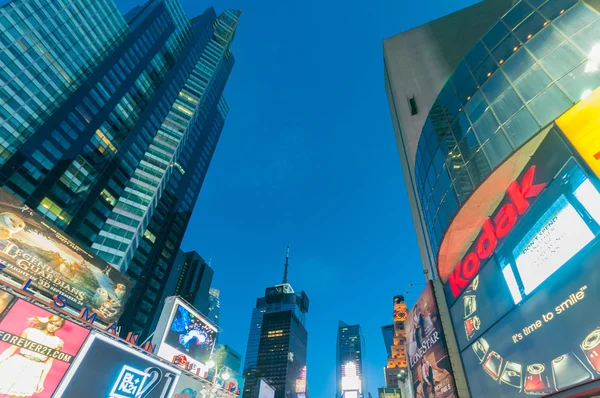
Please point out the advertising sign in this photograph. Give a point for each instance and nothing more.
(547, 278)
(188, 387)
(109, 368)
(32, 249)
(183, 333)
(234, 384)
(581, 126)
(265, 390)
(428, 357)
(36, 348)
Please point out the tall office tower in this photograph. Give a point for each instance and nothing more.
(396, 371)
(194, 281)
(109, 123)
(277, 341)
(214, 305)
(350, 349)
(494, 110)
(224, 355)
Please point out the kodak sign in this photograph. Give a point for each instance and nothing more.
(494, 229)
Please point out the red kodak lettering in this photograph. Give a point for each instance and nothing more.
(487, 241)
(519, 195)
(505, 220)
(457, 282)
(470, 266)
(502, 224)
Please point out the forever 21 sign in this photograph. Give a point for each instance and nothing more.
(494, 229)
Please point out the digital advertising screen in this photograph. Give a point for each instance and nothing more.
(110, 368)
(37, 348)
(428, 357)
(526, 322)
(265, 390)
(188, 333)
(33, 249)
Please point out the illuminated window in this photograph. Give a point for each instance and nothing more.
(150, 236)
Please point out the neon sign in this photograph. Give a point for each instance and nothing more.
(494, 229)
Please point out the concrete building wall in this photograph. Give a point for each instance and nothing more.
(417, 64)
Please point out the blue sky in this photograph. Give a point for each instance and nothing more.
(308, 155)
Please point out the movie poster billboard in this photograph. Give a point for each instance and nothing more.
(110, 368)
(183, 334)
(428, 357)
(31, 248)
(37, 348)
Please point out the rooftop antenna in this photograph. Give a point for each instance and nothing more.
(287, 257)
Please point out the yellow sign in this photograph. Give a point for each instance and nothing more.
(581, 125)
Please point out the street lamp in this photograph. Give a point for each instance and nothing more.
(223, 371)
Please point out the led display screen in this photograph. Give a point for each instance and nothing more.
(33, 249)
(109, 368)
(529, 316)
(428, 357)
(265, 390)
(190, 334)
(37, 348)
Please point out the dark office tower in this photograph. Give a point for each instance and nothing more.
(194, 281)
(350, 349)
(214, 305)
(277, 341)
(109, 123)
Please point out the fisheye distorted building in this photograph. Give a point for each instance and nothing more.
(277, 342)
(109, 123)
(493, 115)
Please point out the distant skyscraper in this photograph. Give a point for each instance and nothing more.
(194, 281)
(109, 124)
(277, 341)
(396, 370)
(224, 355)
(214, 305)
(350, 349)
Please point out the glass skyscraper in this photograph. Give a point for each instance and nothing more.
(109, 122)
(277, 341)
(350, 347)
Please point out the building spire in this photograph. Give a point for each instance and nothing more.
(287, 258)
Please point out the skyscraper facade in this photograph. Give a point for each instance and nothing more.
(350, 348)
(494, 113)
(194, 281)
(214, 305)
(109, 123)
(224, 355)
(277, 341)
(396, 371)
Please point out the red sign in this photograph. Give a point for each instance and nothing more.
(495, 228)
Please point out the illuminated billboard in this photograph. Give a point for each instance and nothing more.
(32, 249)
(110, 368)
(350, 378)
(36, 348)
(188, 387)
(182, 333)
(265, 390)
(525, 322)
(428, 357)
